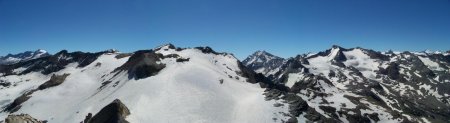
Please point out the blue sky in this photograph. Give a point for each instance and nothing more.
(283, 27)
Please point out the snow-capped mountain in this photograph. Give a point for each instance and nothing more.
(164, 84)
(172, 84)
(264, 62)
(360, 85)
(21, 57)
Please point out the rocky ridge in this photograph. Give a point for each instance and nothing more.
(362, 85)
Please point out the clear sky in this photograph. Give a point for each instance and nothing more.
(283, 27)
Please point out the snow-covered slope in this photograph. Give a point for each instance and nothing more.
(166, 84)
(21, 57)
(361, 85)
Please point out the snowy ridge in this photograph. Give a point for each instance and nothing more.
(362, 85)
(196, 85)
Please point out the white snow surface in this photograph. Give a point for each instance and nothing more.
(361, 61)
(430, 64)
(322, 64)
(293, 78)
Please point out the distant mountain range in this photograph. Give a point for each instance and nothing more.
(361, 85)
(21, 57)
(173, 84)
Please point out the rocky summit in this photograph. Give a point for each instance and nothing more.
(264, 62)
(173, 84)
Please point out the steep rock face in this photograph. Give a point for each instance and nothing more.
(362, 85)
(259, 78)
(292, 65)
(392, 71)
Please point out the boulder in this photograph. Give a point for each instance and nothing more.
(22, 118)
(115, 112)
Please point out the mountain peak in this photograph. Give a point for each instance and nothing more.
(111, 51)
(40, 51)
(165, 46)
(335, 53)
(262, 61)
(260, 52)
(336, 47)
(263, 53)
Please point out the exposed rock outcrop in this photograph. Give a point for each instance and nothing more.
(142, 64)
(16, 104)
(115, 112)
(22, 118)
(55, 80)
